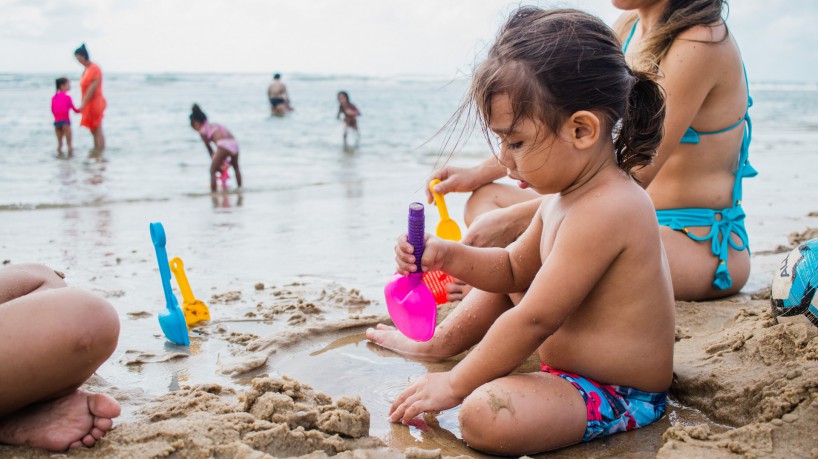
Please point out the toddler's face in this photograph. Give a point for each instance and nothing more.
(67, 86)
(531, 153)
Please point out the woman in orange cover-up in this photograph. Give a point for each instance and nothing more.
(93, 102)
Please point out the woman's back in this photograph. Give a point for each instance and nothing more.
(704, 80)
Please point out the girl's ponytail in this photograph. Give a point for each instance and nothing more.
(642, 123)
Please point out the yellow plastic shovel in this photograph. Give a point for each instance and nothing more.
(195, 310)
(446, 228)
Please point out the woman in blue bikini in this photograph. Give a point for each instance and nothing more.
(695, 181)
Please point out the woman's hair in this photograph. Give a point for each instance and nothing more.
(197, 115)
(82, 51)
(679, 15)
(60, 81)
(553, 63)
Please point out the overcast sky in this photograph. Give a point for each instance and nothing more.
(778, 38)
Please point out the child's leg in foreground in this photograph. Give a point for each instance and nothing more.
(53, 339)
(463, 328)
(523, 414)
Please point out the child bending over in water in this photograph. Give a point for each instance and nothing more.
(227, 148)
(350, 113)
(52, 338)
(572, 120)
(61, 104)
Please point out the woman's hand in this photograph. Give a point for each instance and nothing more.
(454, 179)
(431, 392)
(434, 253)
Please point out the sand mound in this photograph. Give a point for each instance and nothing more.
(742, 368)
(276, 418)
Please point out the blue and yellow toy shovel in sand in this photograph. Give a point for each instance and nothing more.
(172, 321)
(411, 304)
(195, 310)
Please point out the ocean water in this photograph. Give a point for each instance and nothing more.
(153, 154)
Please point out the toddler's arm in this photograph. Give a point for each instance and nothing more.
(497, 270)
(579, 257)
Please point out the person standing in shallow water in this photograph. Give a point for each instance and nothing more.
(52, 339)
(350, 113)
(93, 102)
(279, 99)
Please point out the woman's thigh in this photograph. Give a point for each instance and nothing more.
(495, 196)
(693, 266)
(523, 414)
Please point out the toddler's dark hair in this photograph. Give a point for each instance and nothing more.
(553, 63)
(196, 114)
(60, 81)
(82, 51)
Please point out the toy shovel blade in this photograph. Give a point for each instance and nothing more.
(411, 305)
(195, 310)
(446, 227)
(171, 320)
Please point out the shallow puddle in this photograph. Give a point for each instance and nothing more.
(350, 365)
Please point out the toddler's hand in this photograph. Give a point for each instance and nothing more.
(434, 253)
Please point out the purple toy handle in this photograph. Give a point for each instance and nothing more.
(417, 232)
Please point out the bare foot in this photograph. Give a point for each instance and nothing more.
(457, 290)
(77, 419)
(389, 337)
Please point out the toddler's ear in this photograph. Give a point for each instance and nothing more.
(584, 129)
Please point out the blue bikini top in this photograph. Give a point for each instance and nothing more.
(691, 135)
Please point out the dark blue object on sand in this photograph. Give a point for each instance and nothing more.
(172, 321)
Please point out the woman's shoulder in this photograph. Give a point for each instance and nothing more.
(716, 33)
(702, 46)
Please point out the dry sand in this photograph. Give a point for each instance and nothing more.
(754, 378)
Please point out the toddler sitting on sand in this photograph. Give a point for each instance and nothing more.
(597, 306)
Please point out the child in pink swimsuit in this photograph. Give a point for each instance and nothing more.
(227, 148)
(61, 105)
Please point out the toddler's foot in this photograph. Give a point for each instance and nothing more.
(80, 418)
(457, 290)
(390, 338)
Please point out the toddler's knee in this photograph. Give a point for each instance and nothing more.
(478, 423)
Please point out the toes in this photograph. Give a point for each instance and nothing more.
(97, 433)
(103, 423)
(89, 440)
(76, 444)
(384, 327)
(103, 406)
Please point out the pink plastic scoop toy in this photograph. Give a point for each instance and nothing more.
(411, 305)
